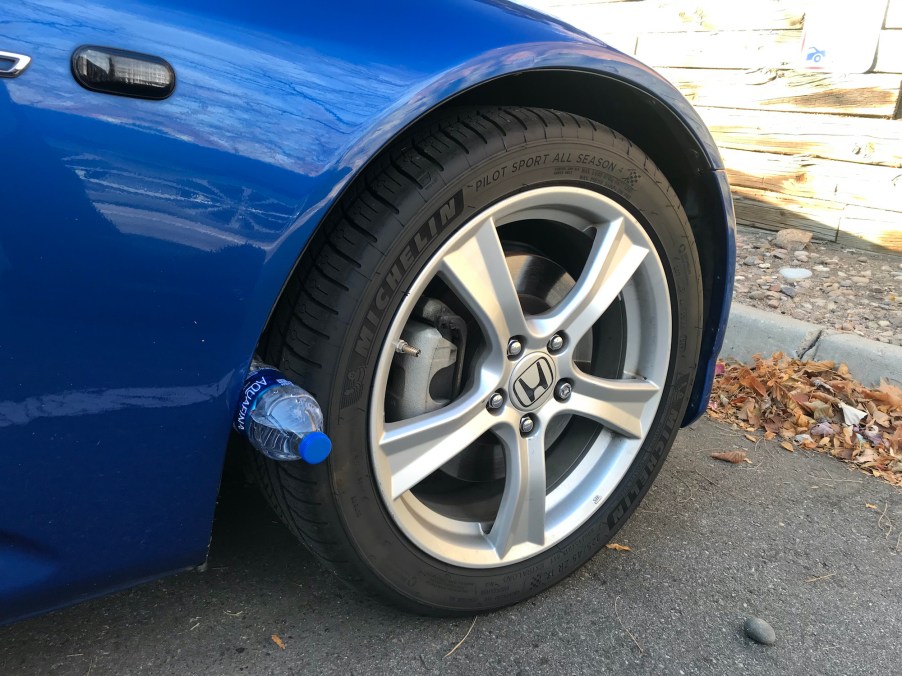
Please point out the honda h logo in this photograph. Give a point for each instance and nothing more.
(532, 381)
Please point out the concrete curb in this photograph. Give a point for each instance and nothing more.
(752, 331)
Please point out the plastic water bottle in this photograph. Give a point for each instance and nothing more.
(280, 419)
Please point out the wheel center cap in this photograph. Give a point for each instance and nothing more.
(532, 382)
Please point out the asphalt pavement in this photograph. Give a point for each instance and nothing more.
(789, 538)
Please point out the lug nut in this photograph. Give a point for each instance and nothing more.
(526, 424)
(563, 390)
(496, 401)
(514, 347)
(556, 343)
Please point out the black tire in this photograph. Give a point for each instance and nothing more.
(325, 336)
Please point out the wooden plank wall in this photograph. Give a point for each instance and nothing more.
(804, 149)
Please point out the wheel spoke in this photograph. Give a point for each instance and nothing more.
(477, 271)
(612, 261)
(417, 447)
(521, 515)
(619, 405)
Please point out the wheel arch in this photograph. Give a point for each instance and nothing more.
(691, 164)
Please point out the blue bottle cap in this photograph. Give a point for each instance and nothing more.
(315, 447)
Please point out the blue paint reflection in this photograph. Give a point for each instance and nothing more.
(90, 402)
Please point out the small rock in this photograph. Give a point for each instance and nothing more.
(847, 326)
(792, 239)
(774, 288)
(884, 323)
(751, 260)
(760, 631)
(845, 283)
(764, 266)
(822, 268)
(859, 280)
(757, 295)
(779, 254)
(795, 273)
(800, 256)
(788, 291)
(862, 259)
(773, 303)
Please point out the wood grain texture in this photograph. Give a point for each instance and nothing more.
(800, 176)
(774, 211)
(832, 137)
(866, 228)
(870, 95)
(720, 49)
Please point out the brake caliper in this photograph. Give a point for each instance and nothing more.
(430, 379)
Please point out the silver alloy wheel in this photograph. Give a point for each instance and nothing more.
(624, 263)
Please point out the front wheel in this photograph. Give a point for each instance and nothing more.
(503, 323)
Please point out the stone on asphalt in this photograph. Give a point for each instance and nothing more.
(760, 631)
(792, 239)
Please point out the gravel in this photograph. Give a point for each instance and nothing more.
(850, 290)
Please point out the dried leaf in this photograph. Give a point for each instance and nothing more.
(851, 415)
(753, 383)
(818, 405)
(730, 456)
(279, 642)
(873, 436)
(866, 456)
(619, 548)
(870, 506)
(823, 429)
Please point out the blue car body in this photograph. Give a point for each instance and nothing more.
(144, 244)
